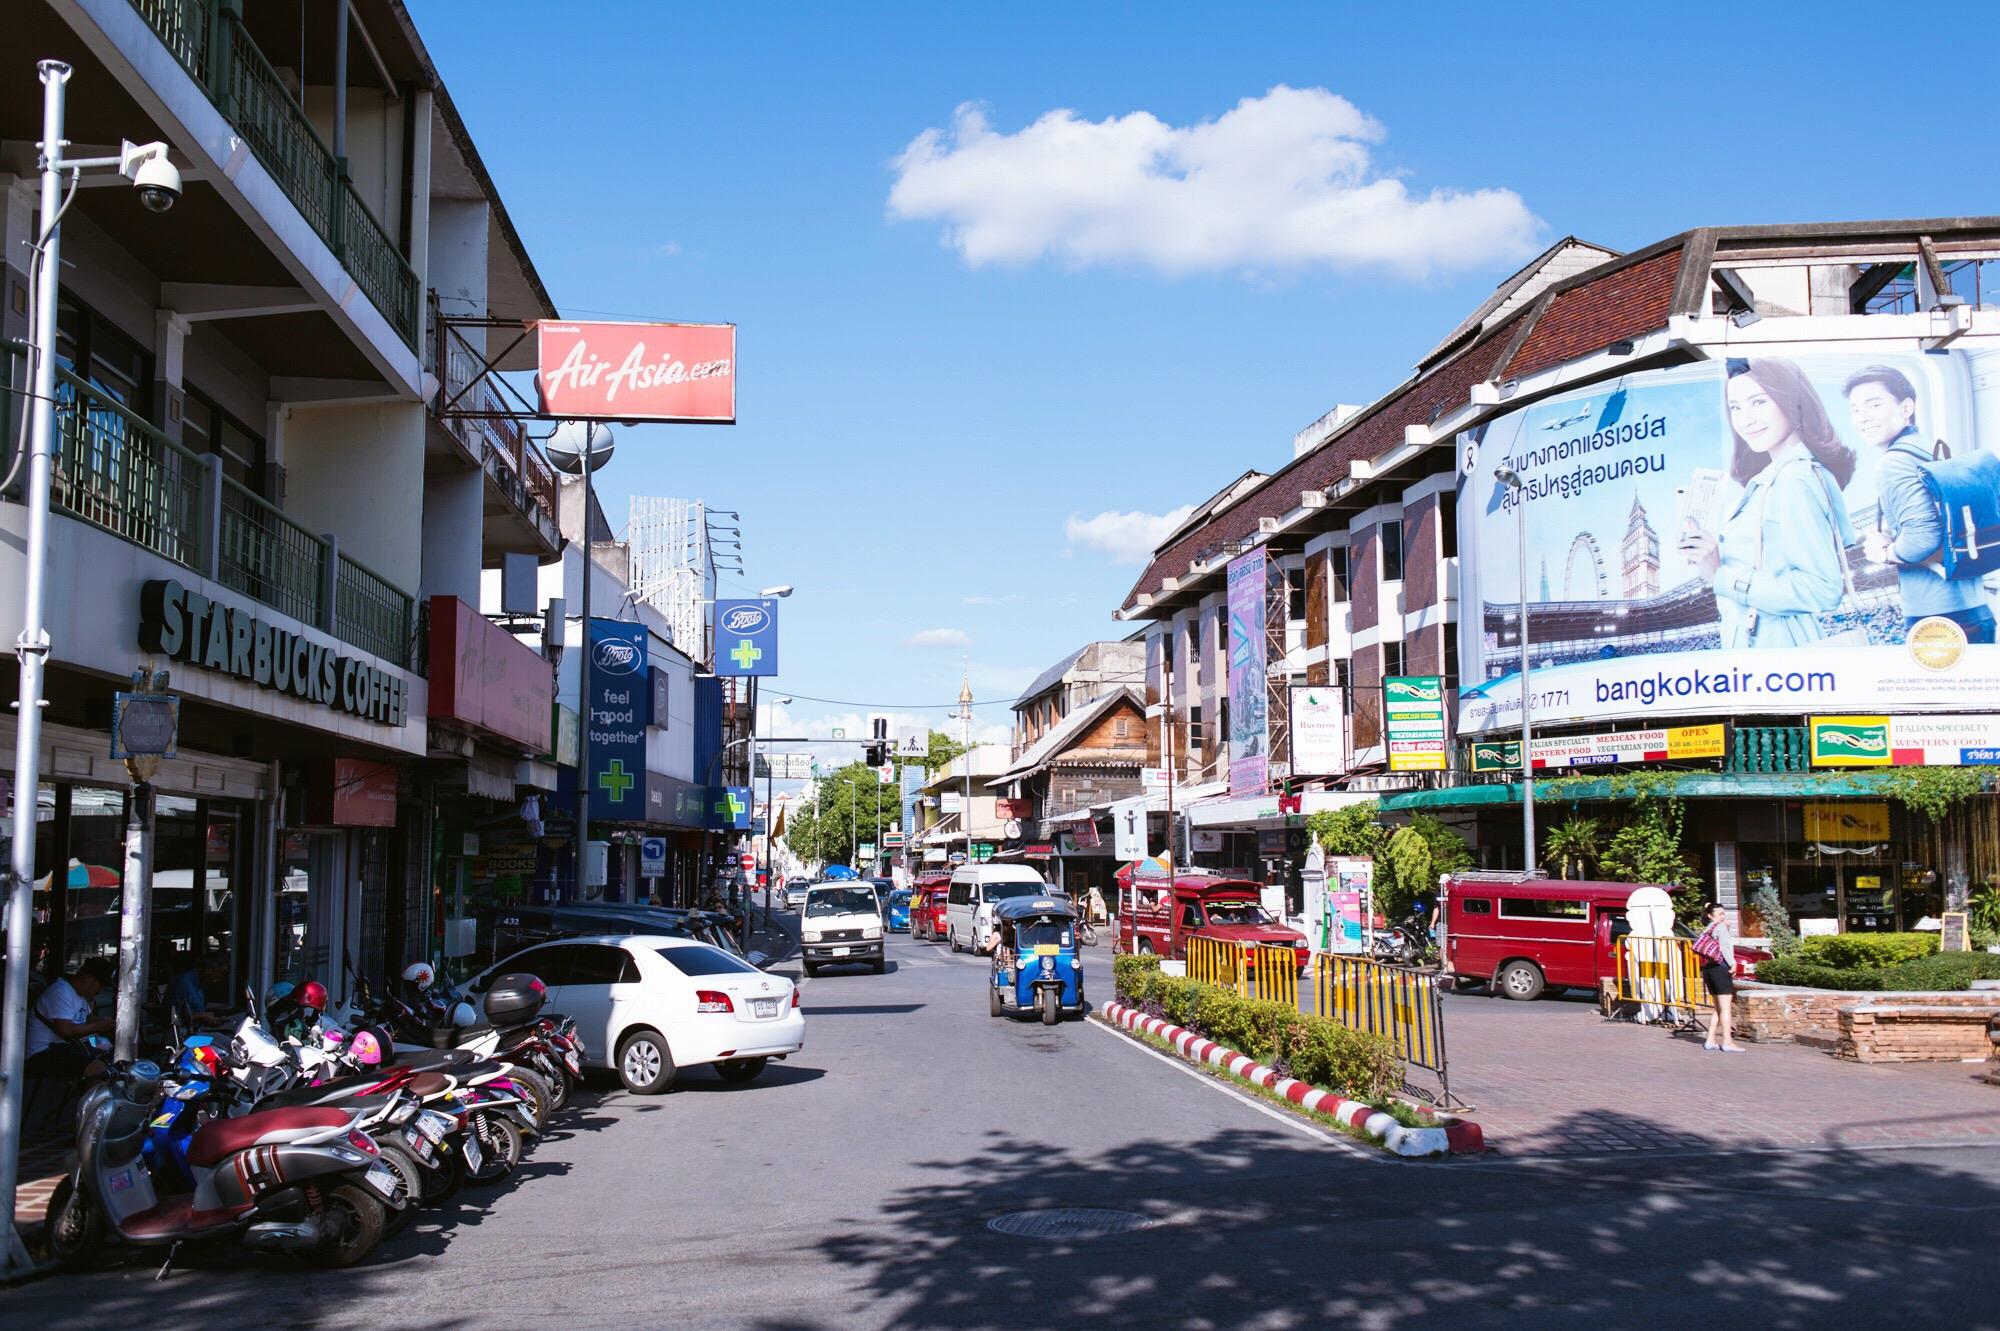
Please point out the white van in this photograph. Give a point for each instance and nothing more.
(968, 912)
(841, 922)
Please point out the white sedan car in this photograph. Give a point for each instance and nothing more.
(647, 1005)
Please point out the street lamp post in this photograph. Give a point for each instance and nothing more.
(1510, 478)
(159, 186)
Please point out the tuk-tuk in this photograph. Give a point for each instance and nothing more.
(1035, 961)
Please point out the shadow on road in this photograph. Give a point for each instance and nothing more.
(1245, 1233)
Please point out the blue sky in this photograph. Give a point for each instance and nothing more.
(927, 403)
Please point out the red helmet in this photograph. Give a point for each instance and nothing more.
(312, 994)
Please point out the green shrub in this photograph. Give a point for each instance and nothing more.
(1940, 972)
(1944, 971)
(1866, 951)
(1317, 1050)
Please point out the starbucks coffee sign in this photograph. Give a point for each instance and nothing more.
(184, 625)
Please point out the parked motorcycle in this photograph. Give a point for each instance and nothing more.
(299, 1180)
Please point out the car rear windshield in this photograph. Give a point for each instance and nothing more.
(1004, 891)
(840, 901)
(705, 960)
(899, 897)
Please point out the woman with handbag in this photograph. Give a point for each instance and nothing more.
(1780, 559)
(1716, 947)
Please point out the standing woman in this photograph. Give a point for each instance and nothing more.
(1716, 947)
(1780, 559)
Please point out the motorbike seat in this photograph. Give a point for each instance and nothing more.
(426, 1084)
(433, 1060)
(226, 1136)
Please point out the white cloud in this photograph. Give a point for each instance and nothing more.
(1128, 538)
(939, 638)
(1007, 599)
(1286, 180)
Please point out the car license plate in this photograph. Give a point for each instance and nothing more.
(836, 951)
(473, 1155)
(382, 1179)
(433, 1126)
(763, 1007)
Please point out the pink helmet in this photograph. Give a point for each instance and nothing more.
(365, 1048)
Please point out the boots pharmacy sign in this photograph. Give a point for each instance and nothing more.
(1904, 741)
(1414, 708)
(678, 372)
(183, 625)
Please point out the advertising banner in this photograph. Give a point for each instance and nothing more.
(746, 637)
(637, 371)
(1128, 829)
(1621, 746)
(1783, 533)
(618, 709)
(1413, 706)
(1319, 731)
(1352, 900)
(1249, 744)
(1904, 741)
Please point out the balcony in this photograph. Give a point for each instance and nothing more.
(208, 39)
(114, 470)
(475, 410)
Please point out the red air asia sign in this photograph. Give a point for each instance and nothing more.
(637, 372)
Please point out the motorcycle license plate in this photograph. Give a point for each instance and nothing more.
(763, 1007)
(382, 1179)
(433, 1126)
(418, 1143)
(473, 1155)
(575, 1064)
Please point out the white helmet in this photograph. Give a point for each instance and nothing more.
(420, 974)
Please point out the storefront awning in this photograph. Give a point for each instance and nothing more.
(1690, 785)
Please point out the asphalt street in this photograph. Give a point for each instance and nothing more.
(856, 1186)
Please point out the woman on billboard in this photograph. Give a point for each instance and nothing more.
(1780, 559)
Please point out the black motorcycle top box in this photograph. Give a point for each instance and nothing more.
(514, 999)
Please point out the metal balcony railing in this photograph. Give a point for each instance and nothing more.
(490, 421)
(208, 39)
(113, 469)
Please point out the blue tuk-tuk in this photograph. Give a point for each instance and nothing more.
(1036, 966)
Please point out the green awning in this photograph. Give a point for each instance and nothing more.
(1690, 785)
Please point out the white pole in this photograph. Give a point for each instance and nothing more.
(1527, 697)
(32, 647)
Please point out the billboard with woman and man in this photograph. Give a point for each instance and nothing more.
(1780, 533)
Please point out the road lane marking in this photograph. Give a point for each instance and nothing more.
(1291, 1121)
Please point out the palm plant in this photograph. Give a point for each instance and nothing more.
(1572, 847)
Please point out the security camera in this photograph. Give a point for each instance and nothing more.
(157, 179)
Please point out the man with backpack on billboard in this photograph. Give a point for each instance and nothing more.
(1935, 512)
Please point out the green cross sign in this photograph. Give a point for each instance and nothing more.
(745, 653)
(616, 780)
(730, 807)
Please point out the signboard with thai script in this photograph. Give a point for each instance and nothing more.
(602, 371)
(1249, 738)
(1671, 743)
(1414, 708)
(1944, 741)
(1319, 730)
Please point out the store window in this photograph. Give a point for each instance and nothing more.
(206, 428)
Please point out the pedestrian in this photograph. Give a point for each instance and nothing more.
(1716, 947)
(60, 1020)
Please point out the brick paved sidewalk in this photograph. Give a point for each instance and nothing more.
(1554, 1078)
(43, 1165)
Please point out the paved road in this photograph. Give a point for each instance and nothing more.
(853, 1188)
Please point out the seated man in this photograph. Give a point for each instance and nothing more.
(191, 990)
(61, 1017)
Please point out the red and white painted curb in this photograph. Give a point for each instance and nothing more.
(1450, 1137)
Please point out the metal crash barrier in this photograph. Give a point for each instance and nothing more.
(1658, 973)
(1253, 970)
(1401, 1005)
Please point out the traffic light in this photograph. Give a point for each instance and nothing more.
(876, 754)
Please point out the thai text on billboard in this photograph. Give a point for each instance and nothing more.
(1796, 531)
(1249, 742)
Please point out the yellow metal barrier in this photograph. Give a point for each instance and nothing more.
(1400, 1005)
(1212, 961)
(1270, 972)
(1660, 972)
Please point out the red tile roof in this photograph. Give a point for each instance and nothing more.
(1586, 318)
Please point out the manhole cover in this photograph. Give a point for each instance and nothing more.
(1067, 1222)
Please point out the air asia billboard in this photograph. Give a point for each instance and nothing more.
(617, 720)
(746, 637)
(637, 372)
(1249, 742)
(1796, 531)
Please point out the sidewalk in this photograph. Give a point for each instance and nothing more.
(43, 1164)
(1554, 1078)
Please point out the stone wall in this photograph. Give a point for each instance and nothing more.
(1868, 1027)
(1895, 1032)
